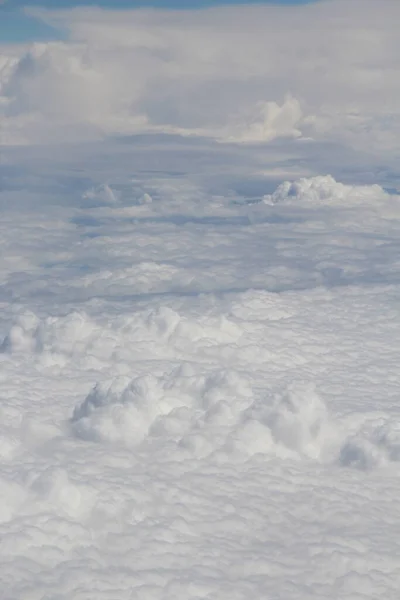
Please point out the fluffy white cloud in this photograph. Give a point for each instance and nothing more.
(328, 70)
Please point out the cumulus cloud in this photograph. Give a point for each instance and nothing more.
(245, 74)
(325, 190)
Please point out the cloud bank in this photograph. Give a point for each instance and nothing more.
(328, 70)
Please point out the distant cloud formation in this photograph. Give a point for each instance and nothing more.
(236, 74)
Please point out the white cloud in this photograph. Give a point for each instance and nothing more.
(328, 71)
(182, 382)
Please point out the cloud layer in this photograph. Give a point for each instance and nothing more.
(328, 70)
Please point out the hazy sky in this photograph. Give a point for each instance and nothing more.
(15, 26)
(327, 72)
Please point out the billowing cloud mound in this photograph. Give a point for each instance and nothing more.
(195, 411)
(219, 414)
(325, 190)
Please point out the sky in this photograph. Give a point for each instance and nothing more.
(15, 26)
(331, 77)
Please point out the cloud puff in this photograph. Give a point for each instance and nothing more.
(248, 74)
(325, 190)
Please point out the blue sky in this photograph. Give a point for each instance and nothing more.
(17, 27)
